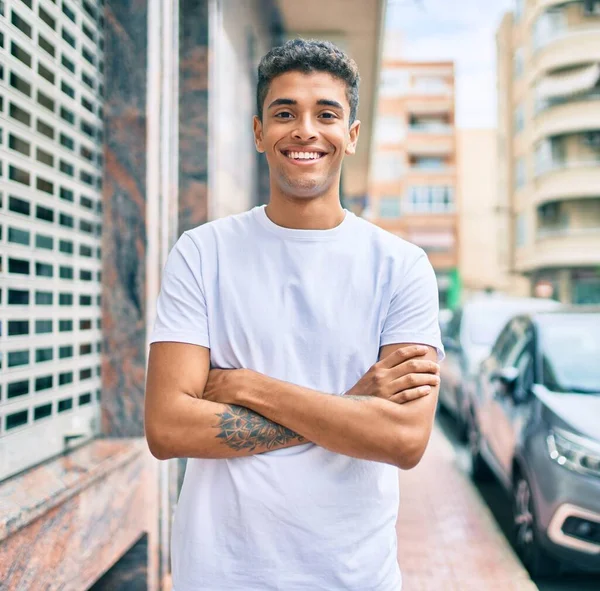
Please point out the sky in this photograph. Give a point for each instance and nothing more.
(460, 30)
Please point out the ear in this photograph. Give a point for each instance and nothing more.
(353, 135)
(258, 134)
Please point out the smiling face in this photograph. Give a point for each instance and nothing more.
(305, 133)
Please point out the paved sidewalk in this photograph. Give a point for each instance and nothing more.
(447, 538)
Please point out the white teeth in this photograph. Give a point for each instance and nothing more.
(304, 155)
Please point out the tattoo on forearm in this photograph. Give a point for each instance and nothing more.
(243, 429)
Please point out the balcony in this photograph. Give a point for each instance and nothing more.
(565, 47)
(570, 117)
(560, 247)
(567, 181)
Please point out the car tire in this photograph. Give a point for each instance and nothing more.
(480, 471)
(535, 559)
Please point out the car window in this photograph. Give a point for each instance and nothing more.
(505, 343)
(524, 363)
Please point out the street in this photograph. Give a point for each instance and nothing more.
(499, 504)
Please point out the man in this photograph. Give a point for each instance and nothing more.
(296, 433)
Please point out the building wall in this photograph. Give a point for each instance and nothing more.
(551, 160)
(413, 177)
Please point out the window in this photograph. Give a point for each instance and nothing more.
(67, 115)
(85, 275)
(44, 298)
(47, 18)
(520, 173)
(18, 266)
(64, 405)
(46, 73)
(65, 352)
(66, 168)
(87, 55)
(389, 207)
(18, 236)
(85, 399)
(88, 32)
(44, 270)
(18, 328)
(20, 54)
(85, 349)
(43, 241)
(17, 358)
(519, 119)
(20, 23)
(430, 199)
(19, 205)
(44, 157)
(44, 213)
(428, 162)
(43, 326)
(67, 63)
(521, 230)
(65, 326)
(591, 8)
(88, 129)
(16, 389)
(85, 324)
(19, 145)
(66, 246)
(18, 297)
(86, 178)
(66, 10)
(89, 9)
(68, 90)
(66, 220)
(68, 37)
(45, 101)
(518, 62)
(85, 374)
(19, 175)
(86, 227)
(65, 299)
(66, 194)
(16, 419)
(19, 114)
(65, 378)
(44, 185)
(43, 355)
(87, 153)
(87, 104)
(67, 142)
(87, 80)
(85, 251)
(87, 203)
(85, 300)
(43, 411)
(46, 45)
(43, 383)
(66, 272)
(45, 129)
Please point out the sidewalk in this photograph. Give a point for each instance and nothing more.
(447, 538)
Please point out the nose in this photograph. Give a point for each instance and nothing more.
(304, 130)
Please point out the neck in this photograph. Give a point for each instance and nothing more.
(301, 213)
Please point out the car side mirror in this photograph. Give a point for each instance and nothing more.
(507, 376)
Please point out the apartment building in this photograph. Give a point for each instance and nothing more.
(549, 145)
(51, 97)
(413, 168)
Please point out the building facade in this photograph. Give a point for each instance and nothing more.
(413, 176)
(549, 145)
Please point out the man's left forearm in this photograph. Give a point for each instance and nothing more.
(362, 427)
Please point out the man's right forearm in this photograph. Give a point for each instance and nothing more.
(196, 428)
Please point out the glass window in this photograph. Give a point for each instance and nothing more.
(43, 326)
(85, 374)
(19, 114)
(17, 358)
(44, 298)
(18, 266)
(20, 23)
(519, 121)
(16, 389)
(65, 352)
(44, 213)
(65, 378)
(42, 241)
(68, 11)
(67, 63)
(66, 272)
(19, 175)
(85, 324)
(46, 73)
(65, 326)
(85, 300)
(45, 101)
(47, 18)
(18, 327)
(43, 411)
(16, 419)
(45, 129)
(520, 173)
(18, 297)
(67, 115)
(66, 246)
(19, 145)
(70, 39)
(66, 168)
(518, 63)
(67, 141)
(42, 355)
(46, 45)
(44, 270)
(20, 54)
(44, 185)
(43, 383)
(44, 157)
(66, 220)
(65, 299)
(66, 194)
(64, 405)
(68, 90)
(19, 205)
(18, 236)
(85, 399)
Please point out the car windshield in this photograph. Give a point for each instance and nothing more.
(570, 348)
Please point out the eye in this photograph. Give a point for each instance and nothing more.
(283, 115)
(328, 115)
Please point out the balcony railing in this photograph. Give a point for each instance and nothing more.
(569, 231)
(426, 170)
(563, 32)
(554, 165)
(543, 105)
(432, 128)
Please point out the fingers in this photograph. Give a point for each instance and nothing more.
(415, 366)
(411, 394)
(402, 354)
(414, 380)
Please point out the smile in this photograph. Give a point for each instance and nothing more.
(303, 156)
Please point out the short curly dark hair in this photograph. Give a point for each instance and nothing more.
(307, 56)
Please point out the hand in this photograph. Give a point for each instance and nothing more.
(402, 376)
(224, 385)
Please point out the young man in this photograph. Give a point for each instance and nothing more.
(294, 361)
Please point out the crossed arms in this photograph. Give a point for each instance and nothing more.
(192, 411)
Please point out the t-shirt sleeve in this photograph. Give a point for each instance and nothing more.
(181, 313)
(413, 316)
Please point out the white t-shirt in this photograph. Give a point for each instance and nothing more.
(311, 307)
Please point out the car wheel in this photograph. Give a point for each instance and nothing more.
(536, 560)
(480, 471)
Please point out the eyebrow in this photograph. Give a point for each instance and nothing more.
(286, 101)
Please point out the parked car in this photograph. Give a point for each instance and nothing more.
(536, 427)
(468, 339)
